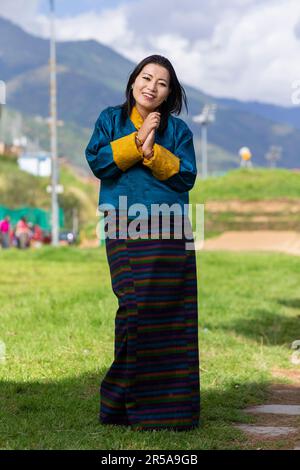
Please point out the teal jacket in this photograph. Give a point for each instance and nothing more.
(115, 159)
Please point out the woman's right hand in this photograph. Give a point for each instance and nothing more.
(151, 122)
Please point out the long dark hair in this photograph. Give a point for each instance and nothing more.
(173, 104)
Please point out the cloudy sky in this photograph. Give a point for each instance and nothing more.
(246, 49)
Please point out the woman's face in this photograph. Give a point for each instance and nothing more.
(151, 86)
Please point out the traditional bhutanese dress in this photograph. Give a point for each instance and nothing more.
(153, 382)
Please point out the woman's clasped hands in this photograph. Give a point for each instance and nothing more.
(147, 132)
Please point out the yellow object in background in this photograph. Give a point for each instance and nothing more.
(245, 153)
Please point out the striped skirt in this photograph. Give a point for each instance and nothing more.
(153, 382)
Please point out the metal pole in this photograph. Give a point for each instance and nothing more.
(75, 223)
(206, 117)
(204, 149)
(2, 112)
(53, 131)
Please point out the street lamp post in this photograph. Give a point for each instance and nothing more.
(2, 103)
(53, 131)
(204, 118)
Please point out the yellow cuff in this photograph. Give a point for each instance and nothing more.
(163, 164)
(125, 152)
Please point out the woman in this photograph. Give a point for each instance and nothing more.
(141, 152)
(4, 232)
(22, 233)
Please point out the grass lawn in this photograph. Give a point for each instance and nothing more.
(248, 185)
(57, 321)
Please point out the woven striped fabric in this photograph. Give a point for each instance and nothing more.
(153, 382)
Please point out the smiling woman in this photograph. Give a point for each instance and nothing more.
(157, 88)
(141, 152)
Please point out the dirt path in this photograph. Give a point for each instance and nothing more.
(255, 240)
(260, 240)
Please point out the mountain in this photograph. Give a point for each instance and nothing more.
(91, 76)
(280, 114)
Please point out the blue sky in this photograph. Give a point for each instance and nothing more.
(244, 49)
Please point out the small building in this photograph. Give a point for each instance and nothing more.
(37, 163)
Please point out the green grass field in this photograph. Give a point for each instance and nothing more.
(57, 322)
(248, 185)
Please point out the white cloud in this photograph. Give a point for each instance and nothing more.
(247, 49)
(18, 10)
(109, 27)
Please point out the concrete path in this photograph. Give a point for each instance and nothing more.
(278, 419)
(292, 410)
(267, 431)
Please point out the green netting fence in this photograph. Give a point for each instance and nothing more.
(35, 215)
